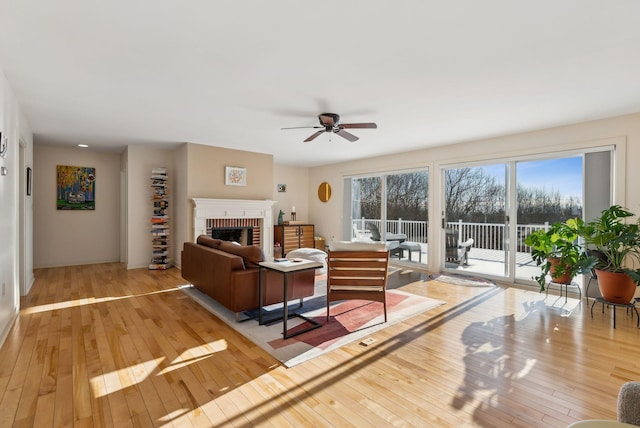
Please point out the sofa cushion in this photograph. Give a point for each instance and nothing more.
(208, 241)
(251, 254)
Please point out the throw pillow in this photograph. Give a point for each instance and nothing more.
(357, 246)
(312, 254)
(208, 242)
(251, 254)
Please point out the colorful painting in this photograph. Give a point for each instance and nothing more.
(235, 176)
(76, 187)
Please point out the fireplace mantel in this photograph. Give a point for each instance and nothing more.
(205, 209)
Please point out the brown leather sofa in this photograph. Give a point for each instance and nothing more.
(229, 273)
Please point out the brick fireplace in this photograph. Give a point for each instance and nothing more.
(240, 214)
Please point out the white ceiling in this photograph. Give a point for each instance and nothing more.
(231, 73)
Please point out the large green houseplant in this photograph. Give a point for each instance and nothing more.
(558, 254)
(616, 241)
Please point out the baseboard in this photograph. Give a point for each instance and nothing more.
(5, 333)
(77, 263)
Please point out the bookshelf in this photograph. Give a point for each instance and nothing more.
(160, 220)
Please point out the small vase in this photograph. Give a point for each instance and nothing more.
(616, 287)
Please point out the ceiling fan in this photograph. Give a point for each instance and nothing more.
(330, 122)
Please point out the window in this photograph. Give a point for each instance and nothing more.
(391, 206)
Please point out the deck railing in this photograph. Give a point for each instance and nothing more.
(489, 236)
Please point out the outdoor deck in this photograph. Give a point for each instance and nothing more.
(486, 262)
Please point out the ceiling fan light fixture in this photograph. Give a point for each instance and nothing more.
(330, 122)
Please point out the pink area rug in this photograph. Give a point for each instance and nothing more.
(350, 321)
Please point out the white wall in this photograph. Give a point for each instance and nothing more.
(25, 216)
(622, 131)
(64, 238)
(16, 128)
(182, 205)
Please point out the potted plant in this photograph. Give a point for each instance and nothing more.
(617, 244)
(558, 254)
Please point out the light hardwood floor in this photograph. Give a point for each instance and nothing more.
(102, 346)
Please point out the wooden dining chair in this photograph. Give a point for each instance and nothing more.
(357, 274)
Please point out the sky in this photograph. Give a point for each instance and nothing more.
(561, 174)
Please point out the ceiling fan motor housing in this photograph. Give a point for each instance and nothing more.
(329, 120)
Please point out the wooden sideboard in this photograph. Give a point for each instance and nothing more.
(294, 236)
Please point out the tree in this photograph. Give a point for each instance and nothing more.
(472, 195)
(407, 196)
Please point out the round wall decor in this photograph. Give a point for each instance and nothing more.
(324, 191)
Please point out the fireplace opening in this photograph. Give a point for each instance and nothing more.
(241, 235)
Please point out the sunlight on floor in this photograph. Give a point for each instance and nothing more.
(117, 380)
(87, 301)
(108, 383)
(210, 348)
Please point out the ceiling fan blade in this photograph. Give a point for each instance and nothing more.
(304, 127)
(345, 134)
(370, 125)
(314, 136)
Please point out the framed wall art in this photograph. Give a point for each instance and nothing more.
(235, 176)
(4, 144)
(76, 187)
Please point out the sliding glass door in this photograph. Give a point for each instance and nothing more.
(394, 208)
(494, 207)
(476, 219)
(366, 207)
(547, 191)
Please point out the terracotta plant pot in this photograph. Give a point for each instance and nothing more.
(565, 278)
(615, 287)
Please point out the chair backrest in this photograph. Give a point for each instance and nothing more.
(375, 232)
(451, 244)
(357, 271)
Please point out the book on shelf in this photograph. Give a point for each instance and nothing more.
(159, 220)
(159, 266)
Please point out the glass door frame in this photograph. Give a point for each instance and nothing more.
(506, 181)
(383, 176)
(618, 152)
